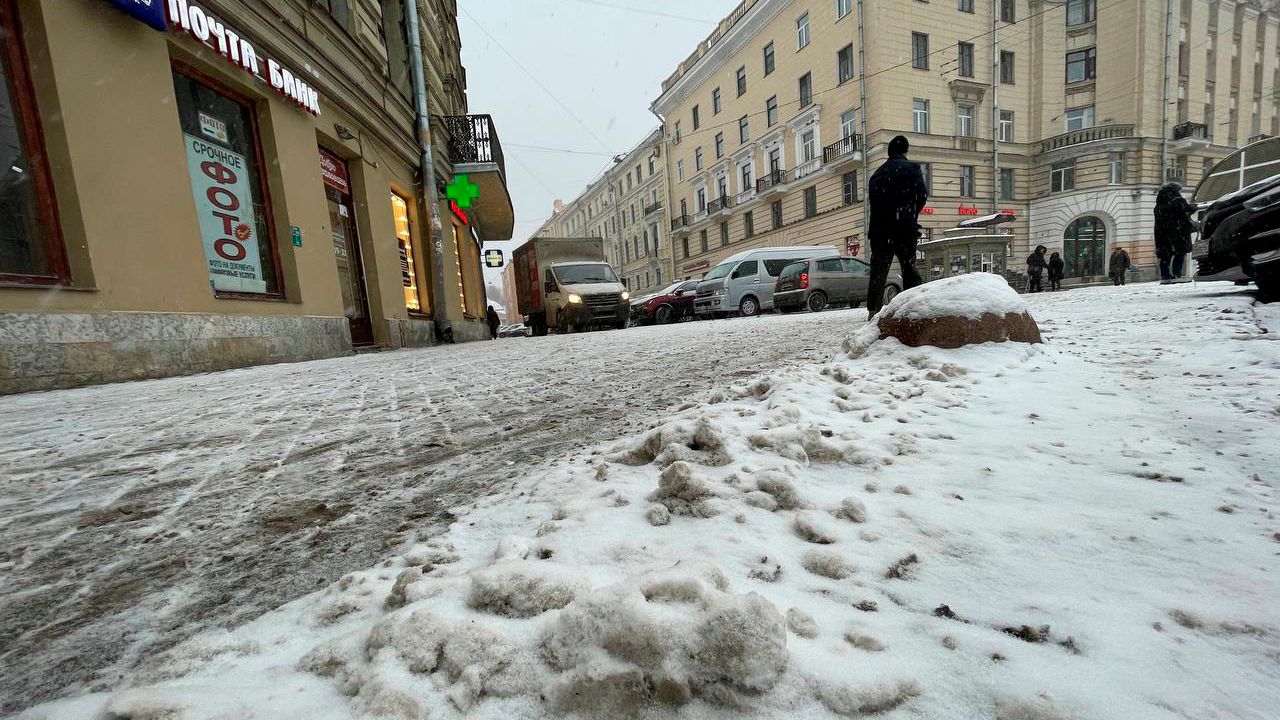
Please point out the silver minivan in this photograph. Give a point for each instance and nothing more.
(744, 283)
(822, 282)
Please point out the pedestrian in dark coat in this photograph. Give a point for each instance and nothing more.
(1173, 229)
(1056, 266)
(1036, 265)
(1119, 265)
(896, 194)
(494, 322)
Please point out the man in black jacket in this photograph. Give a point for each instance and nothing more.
(896, 195)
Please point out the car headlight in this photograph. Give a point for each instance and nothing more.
(721, 291)
(1263, 201)
(575, 299)
(626, 295)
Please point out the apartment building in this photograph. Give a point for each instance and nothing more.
(1063, 113)
(193, 185)
(625, 205)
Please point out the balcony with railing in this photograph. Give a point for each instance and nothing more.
(808, 167)
(475, 151)
(652, 208)
(680, 222)
(1257, 138)
(841, 151)
(746, 195)
(1084, 135)
(1190, 136)
(772, 180)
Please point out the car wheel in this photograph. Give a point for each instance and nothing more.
(817, 302)
(662, 315)
(750, 307)
(890, 293)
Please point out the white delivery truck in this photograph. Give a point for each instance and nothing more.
(565, 284)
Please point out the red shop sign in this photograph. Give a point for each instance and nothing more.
(968, 210)
(1008, 211)
(926, 210)
(334, 172)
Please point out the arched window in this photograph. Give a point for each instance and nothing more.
(1084, 247)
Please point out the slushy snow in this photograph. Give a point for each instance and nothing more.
(1036, 559)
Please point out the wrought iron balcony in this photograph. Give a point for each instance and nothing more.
(719, 204)
(1191, 131)
(651, 209)
(771, 181)
(680, 221)
(841, 150)
(808, 168)
(1084, 135)
(473, 140)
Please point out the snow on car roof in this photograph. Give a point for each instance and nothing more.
(986, 220)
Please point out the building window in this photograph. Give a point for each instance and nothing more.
(724, 234)
(964, 120)
(748, 224)
(1006, 67)
(919, 51)
(968, 187)
(677, 140)
(697, 159)
(742, 81)
(744, 133)
(748, 181)
(701, 197)
(1084, 244)
(719, 145)
(31, 249)
(768, 58)
(395, 38)
(1007, 13)
(1062, 176)
(1006, 184)
(802, 32)
(775, 210)
(1115, 167)
(224, 164)
(849, 187)
(848, 124)
(926, 169)
(806, 90)
(808, 146)
(722, 186)
(844, 63)
(1082, 65)
(702, 236)
(715, 101)
(771, 111)
(775, 160)
(810, 201)
(966, 6)
(413, 300)
(965, 59)
(650, 166)
(338, 10)
(1079, 118)
(684, 245)
(680, 170)
(843, 7)
(1081, 12)
(920, 115)
(696, 120)
(1006, 126)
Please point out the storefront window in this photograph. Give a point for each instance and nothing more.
(462, 286)
(220, 136)
(1084, 245)
(408, 268)
(30, 250)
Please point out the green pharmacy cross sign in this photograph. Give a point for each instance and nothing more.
(462, 191)
(493, 258)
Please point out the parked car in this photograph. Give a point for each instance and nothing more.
(744, 283)
(671, 304)
(818, 283)
(1240, 226)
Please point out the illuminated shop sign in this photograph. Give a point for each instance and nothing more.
(199, 24)
(150, 12)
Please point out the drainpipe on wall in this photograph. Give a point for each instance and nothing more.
(665, 149)
(995, 107)
(866, 151)
(444, 330)
(1164, 101)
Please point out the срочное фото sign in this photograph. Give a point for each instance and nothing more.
(224, 211)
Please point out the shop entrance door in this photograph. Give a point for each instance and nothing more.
(346, 247)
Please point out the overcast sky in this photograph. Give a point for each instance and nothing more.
(575, 75)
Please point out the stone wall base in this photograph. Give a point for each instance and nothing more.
(40, 351)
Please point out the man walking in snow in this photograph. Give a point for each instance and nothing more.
(494, 322)
(1173, 228)
(1119, 265)
(896, 195)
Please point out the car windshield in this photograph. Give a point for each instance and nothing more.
(720, 271)
(584, 274)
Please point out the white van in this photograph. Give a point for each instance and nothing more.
(744, 283)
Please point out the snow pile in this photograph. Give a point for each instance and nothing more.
(972, 296)
(742, 560)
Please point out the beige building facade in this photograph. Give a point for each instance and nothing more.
(239, 187)
(1065, 114)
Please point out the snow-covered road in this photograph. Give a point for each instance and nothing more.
(133, 515)
(1084, 529)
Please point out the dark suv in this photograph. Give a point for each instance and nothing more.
(671, 304)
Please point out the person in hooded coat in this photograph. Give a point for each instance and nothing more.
(494, 322)
(1036, 265)
(1173, 229)
(896, 194)
(1056, 266)
(1119, 265)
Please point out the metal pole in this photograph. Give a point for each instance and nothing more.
(429, 196)
(1164, 102)
(862, 110)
